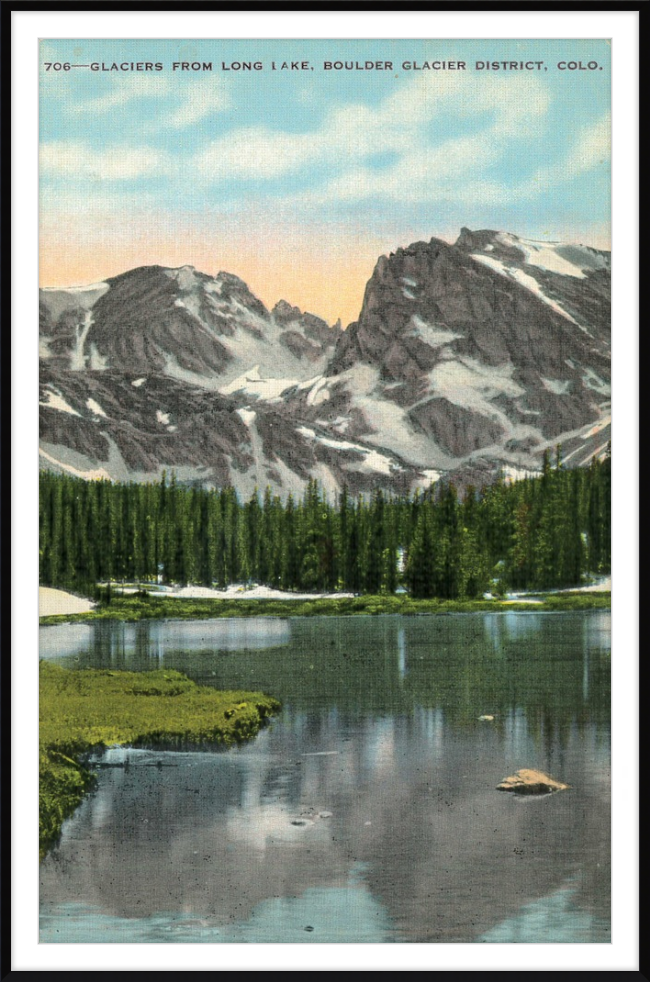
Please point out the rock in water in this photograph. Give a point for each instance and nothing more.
(527, 781)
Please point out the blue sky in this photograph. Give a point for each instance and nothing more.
(298, 180)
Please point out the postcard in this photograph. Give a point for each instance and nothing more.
(325, 491)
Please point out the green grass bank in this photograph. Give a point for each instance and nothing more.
(89, 710)
(135, 608)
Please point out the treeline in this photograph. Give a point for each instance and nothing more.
(537, 533)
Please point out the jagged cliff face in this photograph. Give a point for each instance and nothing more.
(491, 348)
(180, 323)
(466, 359)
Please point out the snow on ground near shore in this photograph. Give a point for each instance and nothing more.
(59, 602)
(602, 585)
(237, 592)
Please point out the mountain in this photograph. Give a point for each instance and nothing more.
(466, 360)
(179, 323)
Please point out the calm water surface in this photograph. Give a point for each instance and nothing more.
(367, 810)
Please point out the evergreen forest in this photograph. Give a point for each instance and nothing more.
(539, 533)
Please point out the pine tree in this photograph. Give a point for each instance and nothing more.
(473, 565)
(538, 533)
(376, 543)
(420, 563)
(290, 559)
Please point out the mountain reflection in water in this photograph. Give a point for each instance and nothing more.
(368, 809)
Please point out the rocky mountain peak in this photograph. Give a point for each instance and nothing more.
(211, 331)
(284, 313)
(466, 358)
(234, 288)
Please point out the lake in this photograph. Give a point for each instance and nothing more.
(367, 810)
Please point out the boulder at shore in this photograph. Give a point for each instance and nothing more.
(527, 781)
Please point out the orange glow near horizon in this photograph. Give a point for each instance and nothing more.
(323, 274)
(325, 277)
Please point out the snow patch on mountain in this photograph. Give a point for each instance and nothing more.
(303, 430)
(340, 424)
(318, 393)
(323, 474)
(95, 408)
(545, 255)
(376, 463)
(388, 426)
(211, 382)
(429, 477)
(56, 401)
(308, 383)
(96, 362)
(435, 337)
(251, 383)
(247, 416)
(511, 473)
(593, 381)
(185, 276)
(527, 412)
(598, 427)
(468, 383)
(256, 476)
(373, 462)
(90, 288)
(96, 474)
(250, 320)
(59, 299)
(525, 280)
(255, 343)
(558, 386)
(77, 358)
(393, 431)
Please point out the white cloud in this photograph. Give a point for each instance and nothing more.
(398, 150)
(77, 161)
(512, 103)
(403, 124)
(457, 169)
(257, 152)
(201, 100)
(198, 100)
(592, 148)
(124, 89)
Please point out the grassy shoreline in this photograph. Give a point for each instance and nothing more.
(135, 608)
(89, 710)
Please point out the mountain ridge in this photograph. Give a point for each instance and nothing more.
(467, 359)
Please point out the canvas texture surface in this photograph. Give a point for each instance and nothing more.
(325, 451)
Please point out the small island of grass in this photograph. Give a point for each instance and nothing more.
(89, 710)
